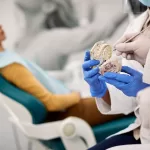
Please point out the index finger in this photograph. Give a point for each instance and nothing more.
(87, 56)
(119, 77)
(125, 37)
(129, 70)
(90, 63)
(113, 82)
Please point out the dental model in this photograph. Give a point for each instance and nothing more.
(112, 65)
(103, 52)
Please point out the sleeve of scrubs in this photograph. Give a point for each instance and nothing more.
(146, 73)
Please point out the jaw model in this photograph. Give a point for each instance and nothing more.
(103, 52)
(112, 65)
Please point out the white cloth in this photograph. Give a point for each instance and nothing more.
(122, 104)
(146, 75)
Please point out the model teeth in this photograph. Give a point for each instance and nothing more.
(103, 52)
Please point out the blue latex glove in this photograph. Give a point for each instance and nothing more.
(130, 83)
(98, 88)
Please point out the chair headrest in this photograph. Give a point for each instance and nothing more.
(33, 105)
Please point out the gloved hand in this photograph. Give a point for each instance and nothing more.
(130, 83)
(136, 50)
(98, 88)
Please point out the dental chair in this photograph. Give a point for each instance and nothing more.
(28, 115)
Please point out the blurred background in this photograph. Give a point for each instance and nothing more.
(55, 34)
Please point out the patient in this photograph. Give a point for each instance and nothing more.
(59, 106)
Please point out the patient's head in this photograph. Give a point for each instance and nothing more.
(2, 37)
(2, 34)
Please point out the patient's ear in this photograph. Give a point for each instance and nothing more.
(48, 7)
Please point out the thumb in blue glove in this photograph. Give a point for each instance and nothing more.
(98, 88)
(130, 83)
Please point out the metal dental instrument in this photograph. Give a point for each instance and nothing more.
(134, 36)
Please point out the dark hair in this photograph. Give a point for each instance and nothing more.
(63, 16)
(137, 7)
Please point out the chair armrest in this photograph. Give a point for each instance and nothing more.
(69, 130)
(46, 131)
(82, 129)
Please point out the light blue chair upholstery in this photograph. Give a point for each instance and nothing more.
(39, 114)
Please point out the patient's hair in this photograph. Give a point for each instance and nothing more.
(63, 16)
(137, 7)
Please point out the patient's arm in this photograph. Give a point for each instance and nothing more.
(20, 76)
(106, 98)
